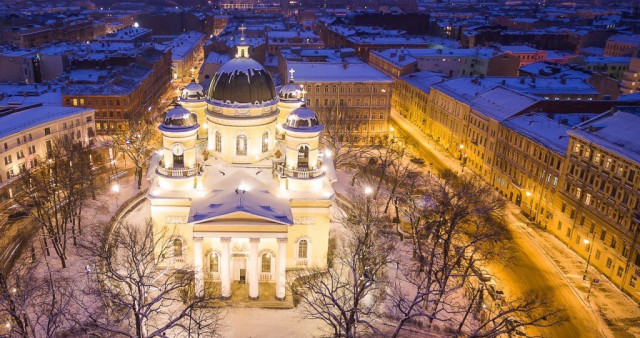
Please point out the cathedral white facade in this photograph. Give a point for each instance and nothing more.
(240, 182)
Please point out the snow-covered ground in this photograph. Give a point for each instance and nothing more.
(267, 323)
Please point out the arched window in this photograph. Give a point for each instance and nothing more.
(241, 145)
(177, 248)
(218, 145)
(214, 262)
(266, 262)
(302, 248)
(265, 142)
(303, 156)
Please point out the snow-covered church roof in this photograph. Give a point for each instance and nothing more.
(240, 190)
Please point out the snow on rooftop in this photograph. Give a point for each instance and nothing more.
(184, 43)
(464, 88)
(121, 81)
(125, 34)
(423, 80)
(500, 103)
(626, 39)
(240, 189)
(337, 72)
(545, 129)
(606, 60)
(616, 131)
(518, 49)
(33, 117)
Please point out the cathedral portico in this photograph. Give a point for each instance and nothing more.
(244, 258)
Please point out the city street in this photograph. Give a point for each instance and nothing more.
(530, 271)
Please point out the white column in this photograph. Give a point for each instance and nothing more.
(253, 267)
(282, 266)
(225, 274)
(197, 265)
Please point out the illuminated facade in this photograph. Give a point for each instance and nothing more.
(244, 196)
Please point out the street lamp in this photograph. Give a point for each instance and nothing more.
(115, 188)
(462, 157)
(368, 190)
(590, 248)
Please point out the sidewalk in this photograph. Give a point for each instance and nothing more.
(610, 305)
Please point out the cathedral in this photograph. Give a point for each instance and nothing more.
(241, 183)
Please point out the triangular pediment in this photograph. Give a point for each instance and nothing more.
(240, 216)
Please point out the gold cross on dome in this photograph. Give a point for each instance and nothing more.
(242, 29)
(304, 92)
(291, 71)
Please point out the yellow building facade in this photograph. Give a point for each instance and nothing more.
(244, 195)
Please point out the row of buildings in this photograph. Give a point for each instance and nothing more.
(570, 164)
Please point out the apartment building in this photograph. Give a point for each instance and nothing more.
(526, 54)
(186, 48)
(630, 82)
(121, 93)
(622, 45)
(26, 133)
(355, 91)
(451, 62)
(410, 97)
(598, 206)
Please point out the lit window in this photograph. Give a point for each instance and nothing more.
(266, 262)
(241, 145)
(218, 145)
(302, 248)
(214, 262)
(177, 248)
(265, 142)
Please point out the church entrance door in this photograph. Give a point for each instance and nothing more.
(240, 268)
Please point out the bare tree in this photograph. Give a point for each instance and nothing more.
(56, 190)
(144, 295)
(34, 301)
(457, 222)
(136, 143)
(341, 137)
(346, 296)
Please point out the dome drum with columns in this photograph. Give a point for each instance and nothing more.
(258, 204)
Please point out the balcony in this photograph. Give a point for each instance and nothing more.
(282, 170)
(301, 262)
(266, 276)
(178, 172)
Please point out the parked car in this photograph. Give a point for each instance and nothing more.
(494, 291)
(417, 160)
(482, 274)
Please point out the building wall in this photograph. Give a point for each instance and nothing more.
(411, 103)
(390, 68)
(26, 147)
(367, 105)
(614, 48)
(630, 80)
(598, 201)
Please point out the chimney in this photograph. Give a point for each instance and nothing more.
(563, 81)
(522, 80)
(402, 57)
(345, 65)
(439, 50)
